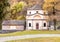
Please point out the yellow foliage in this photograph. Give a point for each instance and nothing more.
(48, 4)
(48, 1)
(19, 17)
(22, 17)
(45, 5)
(57, 6)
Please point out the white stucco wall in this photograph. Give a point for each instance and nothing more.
(46, 25)
(33, 17)
(34, 11)
(39, 20)
(5, 27)
(33, 24)
(40, 24)
(27, 24)
(12, 27)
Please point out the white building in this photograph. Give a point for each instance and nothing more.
(37, 19)
(13, 25)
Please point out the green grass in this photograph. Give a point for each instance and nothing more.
(30, 32)
(51, 39)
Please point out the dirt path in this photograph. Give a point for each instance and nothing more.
(3, 39)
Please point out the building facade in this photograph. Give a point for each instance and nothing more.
(37, 19)
(13, 25)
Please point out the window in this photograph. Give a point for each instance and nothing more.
(29, 24)
(54, 13)
(44, 24)
(29, 12)
(36, 11)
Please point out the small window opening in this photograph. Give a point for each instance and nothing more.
(44, 24)
(36, 11)
(29, 24)
(29, 12)
(54, 13)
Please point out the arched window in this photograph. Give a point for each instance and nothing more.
(29, 12)
(44, 24)
(36, 11)
(54, 13)
(29, 24)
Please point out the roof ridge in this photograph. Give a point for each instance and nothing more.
(36, 7)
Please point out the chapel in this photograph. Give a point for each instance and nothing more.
(38, 19)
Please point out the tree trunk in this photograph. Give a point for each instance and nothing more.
(54, 24)
(0, 24)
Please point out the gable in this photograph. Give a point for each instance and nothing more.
(37, 16)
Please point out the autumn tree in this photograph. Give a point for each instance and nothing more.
(17, 8)
(52, 6)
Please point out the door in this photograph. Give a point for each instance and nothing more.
(37, 25)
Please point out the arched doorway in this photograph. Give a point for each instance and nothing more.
(37, 26)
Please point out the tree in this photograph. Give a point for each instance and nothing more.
(53, 7)
(3, 5)
(16, 9)
(47, 5)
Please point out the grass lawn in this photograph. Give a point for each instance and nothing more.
(30, 32)
(38, 40)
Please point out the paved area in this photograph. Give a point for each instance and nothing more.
(8, 31)
(3, 39)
